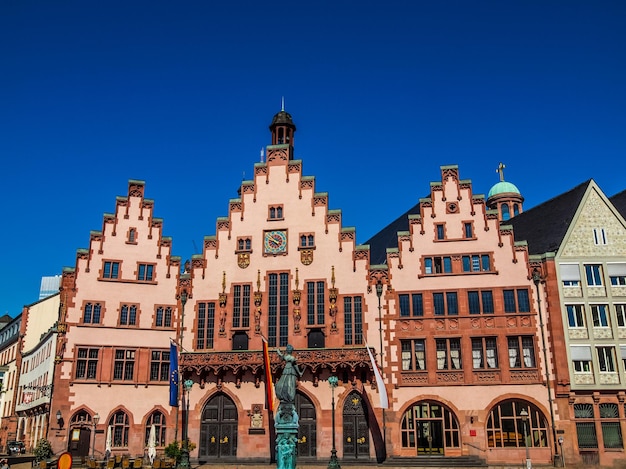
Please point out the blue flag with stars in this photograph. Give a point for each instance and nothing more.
(173, 375)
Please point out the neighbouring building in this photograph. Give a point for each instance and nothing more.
(36, 365)
(580, 239)
(9, 345)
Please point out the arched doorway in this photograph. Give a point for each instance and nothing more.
(356, 432)
(79, 444)
(218, 428)
(510, 420)
(430, 428)
(307, 434)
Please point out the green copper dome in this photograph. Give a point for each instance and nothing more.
(503, 187)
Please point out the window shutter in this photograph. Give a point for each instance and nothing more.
(580, 352)
(570, 272)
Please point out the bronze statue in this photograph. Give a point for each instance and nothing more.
(286, 386)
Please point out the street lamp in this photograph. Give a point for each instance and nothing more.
(333, 463)
(379, 294)
(183, 301)
(537, 280)
(524, 415)
(184, 450)
(95, 419)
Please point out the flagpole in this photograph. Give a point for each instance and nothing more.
(379, 293)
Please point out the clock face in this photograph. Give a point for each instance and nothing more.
(275, 242)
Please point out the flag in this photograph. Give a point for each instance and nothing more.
(269, 387)
(173, 375)
(382, 390)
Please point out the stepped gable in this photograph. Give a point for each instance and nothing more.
(544, 226)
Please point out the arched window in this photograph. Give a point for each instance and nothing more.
(240, 244)
(515, 210)
(132, 235)
(158, 420)
(505, 212)
(511, 421)
(119, 422)
(430, 428)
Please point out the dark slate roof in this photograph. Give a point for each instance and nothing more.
(388, 236)
(543, 227)
(619, 201)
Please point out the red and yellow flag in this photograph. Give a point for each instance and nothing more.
(269, 386)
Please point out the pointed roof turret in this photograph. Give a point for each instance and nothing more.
(282, 127)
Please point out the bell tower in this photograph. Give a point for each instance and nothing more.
(283, 129)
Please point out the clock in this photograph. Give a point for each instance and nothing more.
(275, 242)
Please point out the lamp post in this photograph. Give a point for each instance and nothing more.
(95, 419)
(537, 280)
(333, 463)
(184, 449)
(524, 415)
(379, 294)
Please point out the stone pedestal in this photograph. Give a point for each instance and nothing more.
(286, 436)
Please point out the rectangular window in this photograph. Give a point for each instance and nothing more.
(570, 275)
(509, 301)
(446, 303)
(452, 303)
(467, 227)
(92, 313)
(159, 365)
(307, 240)
(484, 353)
(593, 274)
(521, 352)
(128, 315)
(522, 305)
(440, 232)
(275, 212)
(111, 269)
(438, 265)
(278, 310)
(606, 359)
(476, 263)
(617, 273)
(353, 320)
(206, 325)
(473, 302)
(599, 315)
(620, 313)
(599, 236)
(413, 355)
(581, 358)
(315, 305)
(145, 272)
(448, 354)
(87, 363)
(439, 304)
(411, 304)
(124, 365)
(575, 315)
(163, 316)
(241, 306)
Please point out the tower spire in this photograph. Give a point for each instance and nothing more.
(282, 103)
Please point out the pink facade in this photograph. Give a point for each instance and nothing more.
(461, 357)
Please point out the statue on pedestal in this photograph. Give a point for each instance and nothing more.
(287, 418)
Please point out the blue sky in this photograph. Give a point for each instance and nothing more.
(180, 95)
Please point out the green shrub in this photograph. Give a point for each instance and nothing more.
(173, 450)
(43, 450)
